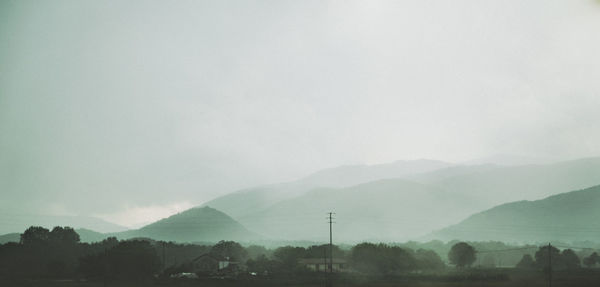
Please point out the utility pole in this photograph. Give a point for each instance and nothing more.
(329, 281)
(549, 265)
(330, 218)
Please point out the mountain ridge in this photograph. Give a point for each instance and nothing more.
(246, 201)
(197, 224)
(567, 216)
(460, 192)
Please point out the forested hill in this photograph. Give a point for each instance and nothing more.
(201, 224)
(571, 216)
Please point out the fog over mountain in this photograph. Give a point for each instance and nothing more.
(132, 111)
(247, 201)
(401, 207)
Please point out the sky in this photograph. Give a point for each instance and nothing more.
(133, 110)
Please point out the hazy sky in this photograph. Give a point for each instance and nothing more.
(134, 109)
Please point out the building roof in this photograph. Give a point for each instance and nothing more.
(209, 256)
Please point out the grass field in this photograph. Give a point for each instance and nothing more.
(510, 278)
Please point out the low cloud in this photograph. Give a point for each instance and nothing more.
(137, 216)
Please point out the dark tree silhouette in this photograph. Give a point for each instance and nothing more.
(591, 260)
(135, 259)
(462, 254)
(63, 236)
(35, 235)
(365, 258)
(570, 259)
(428, 259)
(542, 260)
(47, 253)
(255, 251)
(289, 256)
(526, 262)
(318, 251)
(262, 265)
(229, 249)
(381, 259)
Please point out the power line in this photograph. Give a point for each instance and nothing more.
(509, 249)
(575, 247)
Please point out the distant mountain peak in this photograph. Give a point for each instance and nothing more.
(197, 224)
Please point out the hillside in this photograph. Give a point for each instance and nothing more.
(86, 235)
(200, 224)
(248, 201)
(193, 225)
(350, 175)
(488, 186)
(10, 237)
(394, 209)
(571, 216)
(413, 206)
(19, 222)
(391, 210)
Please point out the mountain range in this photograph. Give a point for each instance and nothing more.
(405, 205)
(248, 201)
(195, 225)
(396, 202)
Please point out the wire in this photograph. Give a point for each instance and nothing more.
(510, 249)
(575, 247)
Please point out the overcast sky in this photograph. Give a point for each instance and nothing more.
(133, 110)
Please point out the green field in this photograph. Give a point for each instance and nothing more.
(508, 278)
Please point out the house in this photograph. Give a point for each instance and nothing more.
(319, 264)
(209, 264)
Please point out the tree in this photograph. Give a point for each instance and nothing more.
(526, 262)
(428, 259)
(591, 260)
(542, 260)
(570, 259)
(134, 259)
(400, 259)
(50, 253)
(63, 236)
(289, 255)
(318, 251)
(263, 265)
(462, 254)
(13, 262)
(229, 249)
(381, 258)
(255, 251)
(35, 235)
(365, 258)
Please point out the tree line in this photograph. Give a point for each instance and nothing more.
(547, 257)
(58, 253)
